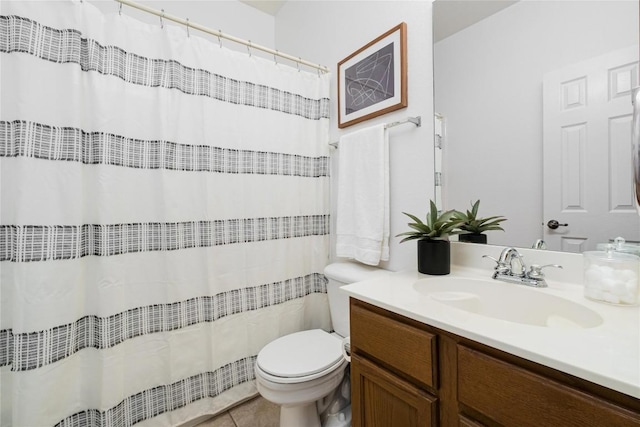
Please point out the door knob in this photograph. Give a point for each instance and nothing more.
(553, 224)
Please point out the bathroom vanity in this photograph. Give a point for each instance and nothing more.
(418, 361)
(407, 373)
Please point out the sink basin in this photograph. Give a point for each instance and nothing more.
(510, 302)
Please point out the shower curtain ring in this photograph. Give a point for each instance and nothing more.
(298, 63)
(120, 9)
(188, 34)
(274, 57)
(161, 21)
(219, 39)
(249, 48)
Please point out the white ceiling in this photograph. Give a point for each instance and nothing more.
(268, 6)
(450, 16)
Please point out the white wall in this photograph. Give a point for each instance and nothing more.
(489, 88)
(327, 32)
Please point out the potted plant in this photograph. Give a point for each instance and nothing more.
(434, 253)
(473, 228)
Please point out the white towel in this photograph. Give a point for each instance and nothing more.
(362, 225)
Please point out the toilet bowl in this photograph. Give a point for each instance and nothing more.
(311, 367)
(304, 372)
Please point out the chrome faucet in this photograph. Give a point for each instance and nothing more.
(539, 244)
(510, 267)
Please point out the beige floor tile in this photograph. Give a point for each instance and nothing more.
(223, 420)
(257, 412)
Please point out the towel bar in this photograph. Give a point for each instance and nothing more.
(415, 120)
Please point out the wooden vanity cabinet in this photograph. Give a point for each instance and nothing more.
(405, 373)
(393, 370)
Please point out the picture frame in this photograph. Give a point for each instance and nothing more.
(373, 80)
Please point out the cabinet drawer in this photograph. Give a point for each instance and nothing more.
(513, 396)
(406, 349)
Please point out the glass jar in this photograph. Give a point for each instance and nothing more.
(611, 276)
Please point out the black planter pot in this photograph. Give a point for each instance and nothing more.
(473, 238)
(434, 257)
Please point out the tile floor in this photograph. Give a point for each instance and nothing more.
(256, 412)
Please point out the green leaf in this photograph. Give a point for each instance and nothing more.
(410, 238)
(420, 227)
(474, 208)
(434, 213)
(413, 217)
(490, 223)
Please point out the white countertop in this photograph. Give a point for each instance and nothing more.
(608, 354)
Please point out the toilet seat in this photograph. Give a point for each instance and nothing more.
(275, 380)
(301, 356)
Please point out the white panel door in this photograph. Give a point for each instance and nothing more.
(587, 162)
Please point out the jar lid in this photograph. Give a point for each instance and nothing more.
(611, 255)
(621, 245)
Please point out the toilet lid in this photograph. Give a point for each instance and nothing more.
(300, 354)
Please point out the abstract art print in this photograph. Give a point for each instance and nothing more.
(373, 80)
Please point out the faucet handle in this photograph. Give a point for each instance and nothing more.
(491, 258)
(535, 271)
(501, 266)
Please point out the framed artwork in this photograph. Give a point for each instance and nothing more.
(373, 80)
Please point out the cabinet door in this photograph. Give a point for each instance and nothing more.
(380, 399)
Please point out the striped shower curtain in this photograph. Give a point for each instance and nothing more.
(164, 215)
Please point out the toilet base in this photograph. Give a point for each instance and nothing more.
(299, 415)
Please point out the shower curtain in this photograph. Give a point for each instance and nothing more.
(164, 214)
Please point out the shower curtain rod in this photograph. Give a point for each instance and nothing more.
(220, 34)
(415, 120)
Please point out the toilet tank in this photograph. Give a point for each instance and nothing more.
(340, 274)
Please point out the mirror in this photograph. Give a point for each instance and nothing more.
(490, 61)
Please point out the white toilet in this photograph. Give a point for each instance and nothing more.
(304, 371)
